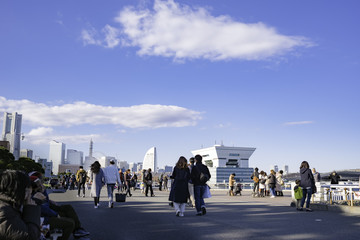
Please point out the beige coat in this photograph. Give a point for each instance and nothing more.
(231, 181)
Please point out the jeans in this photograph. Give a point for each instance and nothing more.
(110, 190)
(81, 185)
(147, 189)
(199, 200)
(272, 191)
(308, 192)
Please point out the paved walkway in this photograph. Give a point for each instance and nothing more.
(240, 217)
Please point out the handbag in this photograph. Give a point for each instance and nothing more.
(314, 189)
(207, 193)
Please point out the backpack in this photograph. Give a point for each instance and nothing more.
(255, 179)
(82, 177)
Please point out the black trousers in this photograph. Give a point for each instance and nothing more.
(81, 185)
(147, 189)
(67, 222)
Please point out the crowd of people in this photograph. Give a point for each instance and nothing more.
(28, 213)
(264, 184)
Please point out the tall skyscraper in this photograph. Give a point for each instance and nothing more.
(12, 132)
(56, 154)
(74, 157)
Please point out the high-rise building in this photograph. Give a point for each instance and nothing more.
(150, 160)
(26, 153)
(223, 161)
(123, 165)
(168, 169)
(57, 155)
(274, 167)
(12, 132)
(74, 157)
(89, 159)
(133, 167)
(286, 169)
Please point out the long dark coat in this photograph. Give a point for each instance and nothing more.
(179, 190)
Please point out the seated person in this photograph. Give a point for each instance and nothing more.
(19, 214)
(57, 216)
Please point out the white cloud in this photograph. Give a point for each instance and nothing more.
(181, 32)
(69, 139)
(89, 36)
(41, 131)
(298, 123)
(79, 113)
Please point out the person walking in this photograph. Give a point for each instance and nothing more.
(19, 214)
(166, 183)
(272, 183)
(148, 183)
(97, 180)
(199, 176)
(134, 181)
(255, 178)
(279, 183)
(161, 179)
(122, 182)
(127, 178)
(111, 178)
(81, 177)
(307, 183)
(190, 184)
(334, 177)
(231, 184)
(179, 193)
(317, 176)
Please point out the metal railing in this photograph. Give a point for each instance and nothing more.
(348, 192)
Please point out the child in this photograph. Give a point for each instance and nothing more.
(298, 194)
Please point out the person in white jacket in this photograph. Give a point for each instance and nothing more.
(111, 178)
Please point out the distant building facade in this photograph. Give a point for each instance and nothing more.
(74, 157)
(223, 161)
(26, 153)
(123, 165)
(133, 167)
(68, 168)
(12, 132)
(150, 159)
(56, 155)
(168, 169)
(5, 144)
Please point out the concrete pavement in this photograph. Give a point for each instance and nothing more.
(239, 217)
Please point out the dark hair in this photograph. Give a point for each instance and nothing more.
(198, 158)
(281, 171)
(192, 160)
(304, 164)
(81, 167)
(181, 163)
(13, 184)
(256, 169)
(297, 181)
(95, 167)
(262, 172)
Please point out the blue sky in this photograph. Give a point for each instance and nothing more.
(280, 76)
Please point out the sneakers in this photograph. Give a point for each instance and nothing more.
(308, 210)
(96, 206)
(83, 196)
(80, 232)
(299, 209)
(78, 195)
(111, 205)
(181, 214)
(177, 213)
(272, 197)
(199, 214)
(203, 210)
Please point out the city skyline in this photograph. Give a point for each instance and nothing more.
(181, 75)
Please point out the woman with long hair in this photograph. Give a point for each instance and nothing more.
(307, 183)
(179, 191)
(97, 179)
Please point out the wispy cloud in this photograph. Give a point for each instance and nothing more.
(43, 135)
(181, 32)
(79, 113)
(298, 123)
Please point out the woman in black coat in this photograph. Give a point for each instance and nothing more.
(307, 183)
(19, 215)
(179, 193)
